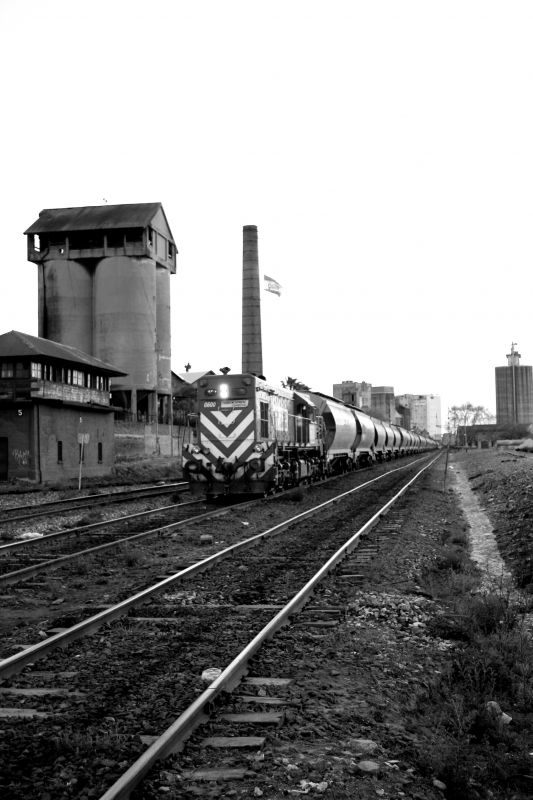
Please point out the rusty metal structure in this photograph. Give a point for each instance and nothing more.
(104, 288)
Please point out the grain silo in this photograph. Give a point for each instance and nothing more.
(514, 391)
(65, 302)
(104, 287)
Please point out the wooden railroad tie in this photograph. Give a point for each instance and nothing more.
(233, 741)
(216, 774)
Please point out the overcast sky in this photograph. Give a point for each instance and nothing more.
(383, 149)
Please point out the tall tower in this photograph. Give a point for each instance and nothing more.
(514, 391)
(252, 351)
(104, 287)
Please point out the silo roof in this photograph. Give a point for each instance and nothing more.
(19, 345)
(90, 218)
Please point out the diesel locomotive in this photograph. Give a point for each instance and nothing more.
(254, 438)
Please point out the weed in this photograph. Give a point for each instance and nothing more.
(452, 558)
(132, 557)
(90, 518)
(80, 568)
(89, 741)
(295, 496)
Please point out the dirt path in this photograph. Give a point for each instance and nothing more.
(484, 548)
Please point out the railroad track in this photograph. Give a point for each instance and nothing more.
(23, 513)
(22, 560)
(163, 642)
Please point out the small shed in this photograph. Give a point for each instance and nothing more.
(55, 412)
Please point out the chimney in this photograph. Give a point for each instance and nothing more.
(252, 351)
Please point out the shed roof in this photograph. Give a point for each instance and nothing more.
(19, 345)
(90, 218)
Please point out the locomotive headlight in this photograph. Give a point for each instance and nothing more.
(258, 448)
(196, 449)
(223, 391)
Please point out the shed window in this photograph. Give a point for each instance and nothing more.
(7, 369)
(134, 236)
(60, 452)
(115, 239)
(36, 370)
(170, 250)
(50, 372)
(100, 452)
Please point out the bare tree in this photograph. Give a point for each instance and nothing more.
(467, 414)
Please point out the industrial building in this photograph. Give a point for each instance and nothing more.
(55, 414)
(383, 402)
(419, 412)
(104, 288)
(514, 391)
(354, 393)
(424, 412)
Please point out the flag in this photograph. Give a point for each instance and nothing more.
(272, 285)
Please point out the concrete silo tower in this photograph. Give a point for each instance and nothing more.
(104, 287)
(514, 391)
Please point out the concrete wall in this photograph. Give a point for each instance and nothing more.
(34, 430)
(16, 426)
(65, 427)
(136, 440)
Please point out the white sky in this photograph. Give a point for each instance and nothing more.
(383, 149)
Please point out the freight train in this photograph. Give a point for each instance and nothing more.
(254, 438)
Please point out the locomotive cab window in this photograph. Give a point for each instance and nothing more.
(263, 418)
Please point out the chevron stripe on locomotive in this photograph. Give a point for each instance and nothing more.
(254, 438)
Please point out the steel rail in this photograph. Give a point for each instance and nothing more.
(13, 664)
(7, 549)
(41, 509)
(19, 575)
(173, 739)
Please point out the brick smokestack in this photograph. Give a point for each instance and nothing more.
(252, 350)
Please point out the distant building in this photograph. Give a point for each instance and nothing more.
(382, 402)
(490, 434)
(55, 411)
(354, 393)
(514, 391)
(104, 287)
(424, 412)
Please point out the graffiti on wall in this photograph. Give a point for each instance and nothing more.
(22, 457)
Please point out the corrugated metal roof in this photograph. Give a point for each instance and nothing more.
(19, 345)
(90, 218)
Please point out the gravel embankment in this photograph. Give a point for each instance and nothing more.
(376, 708)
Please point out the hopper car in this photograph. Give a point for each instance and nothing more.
(255, 438)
